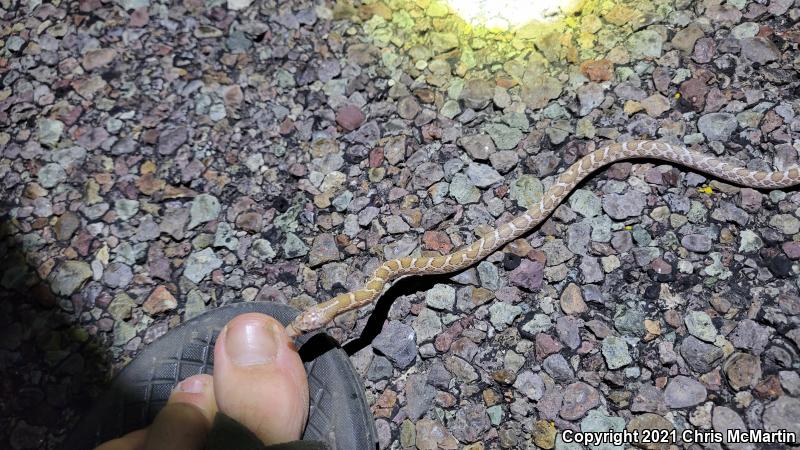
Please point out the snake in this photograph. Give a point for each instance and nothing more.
(319, 315)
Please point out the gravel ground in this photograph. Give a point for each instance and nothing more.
(158, 161)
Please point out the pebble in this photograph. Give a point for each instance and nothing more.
(700, 356)
(530, 384)
(350, 117)
(204, 208)
(615, 351)
(397, 341)
(579, 398)
(717, 126)
(684, 392)
(699, 325)
(200, 264)
(69, 276)
(117, 275)
(622, 206)
(571, 300)
(170, 140)
(159, 301)
(323, 250)
(470, 423)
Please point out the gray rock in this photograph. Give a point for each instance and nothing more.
(294, 247)
(699, 325)
(530, 384)
(117, 275)
(170, 140)
(397, 342)
(379, 369)
(462, 189)
(427, 325)
(502, 314)
(51, 175)
(622, 206)
(489, 275)
(717, 126)
(441, 297)
(482, 175)
(419, 396)
(49, 131)
(125, 208)
(590, 96)
(478, 146)
(783, 414)
(200, 264)
(323, 250)
(69, 276)
(683, 392)
(615, 351)
(700, 356)
(585, 203)
(529, 275)
(699, 243)
(558, 368)
(426, 174)
(205, 208)
(598, 421)
(504, 137)
(750, 335)
(645, 44)
(469, 423)
(759, 49)
(579, 398)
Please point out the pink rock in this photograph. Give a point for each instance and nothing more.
(792, 249)
(350, 117)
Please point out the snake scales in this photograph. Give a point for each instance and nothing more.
(321, 314)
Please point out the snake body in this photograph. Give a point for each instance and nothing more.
(321, 314)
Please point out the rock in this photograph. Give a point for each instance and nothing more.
(469, 423)
(98, 57)
(558, 368)
(742, 370)
(428, 325)
(397, 342)
(502, 314)
(294, 247)
(529, 275)
(504, 160)
(655, 105)
(544, 434)
(530, 384)
(462, 189)
(571, 300)
(504, 137)
(225, 237)
(170, 140)
(590, 96)
(759, 50)
(66, 225)
(117, 275)
(579, 398)
(725, 419)
(69, 276)
(783, 414)
(615, 351)
(527, 191)
(195, 304)
(646, 423)
(427, 174)
(598, 421)
(200, 264)
(699, 325)
(236, 5)
(350, 117)
(685, 39)
(785, 223)
(205, 208)
(419, 396)
(585, 203)
(125, 208)
(700, 356)
(622, 206)
(537, 90)
(717, 126)
(645, 44)
(478, 146)
(477, 93)
(158, 301)
(408, 107)
(49, 132)
(749, 335)
(482, 175)
(323, 250)
(683, 392)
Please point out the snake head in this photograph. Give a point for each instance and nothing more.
(309, 320)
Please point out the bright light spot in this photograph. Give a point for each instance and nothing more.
(504, 14)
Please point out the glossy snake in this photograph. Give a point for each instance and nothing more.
(321, 314)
